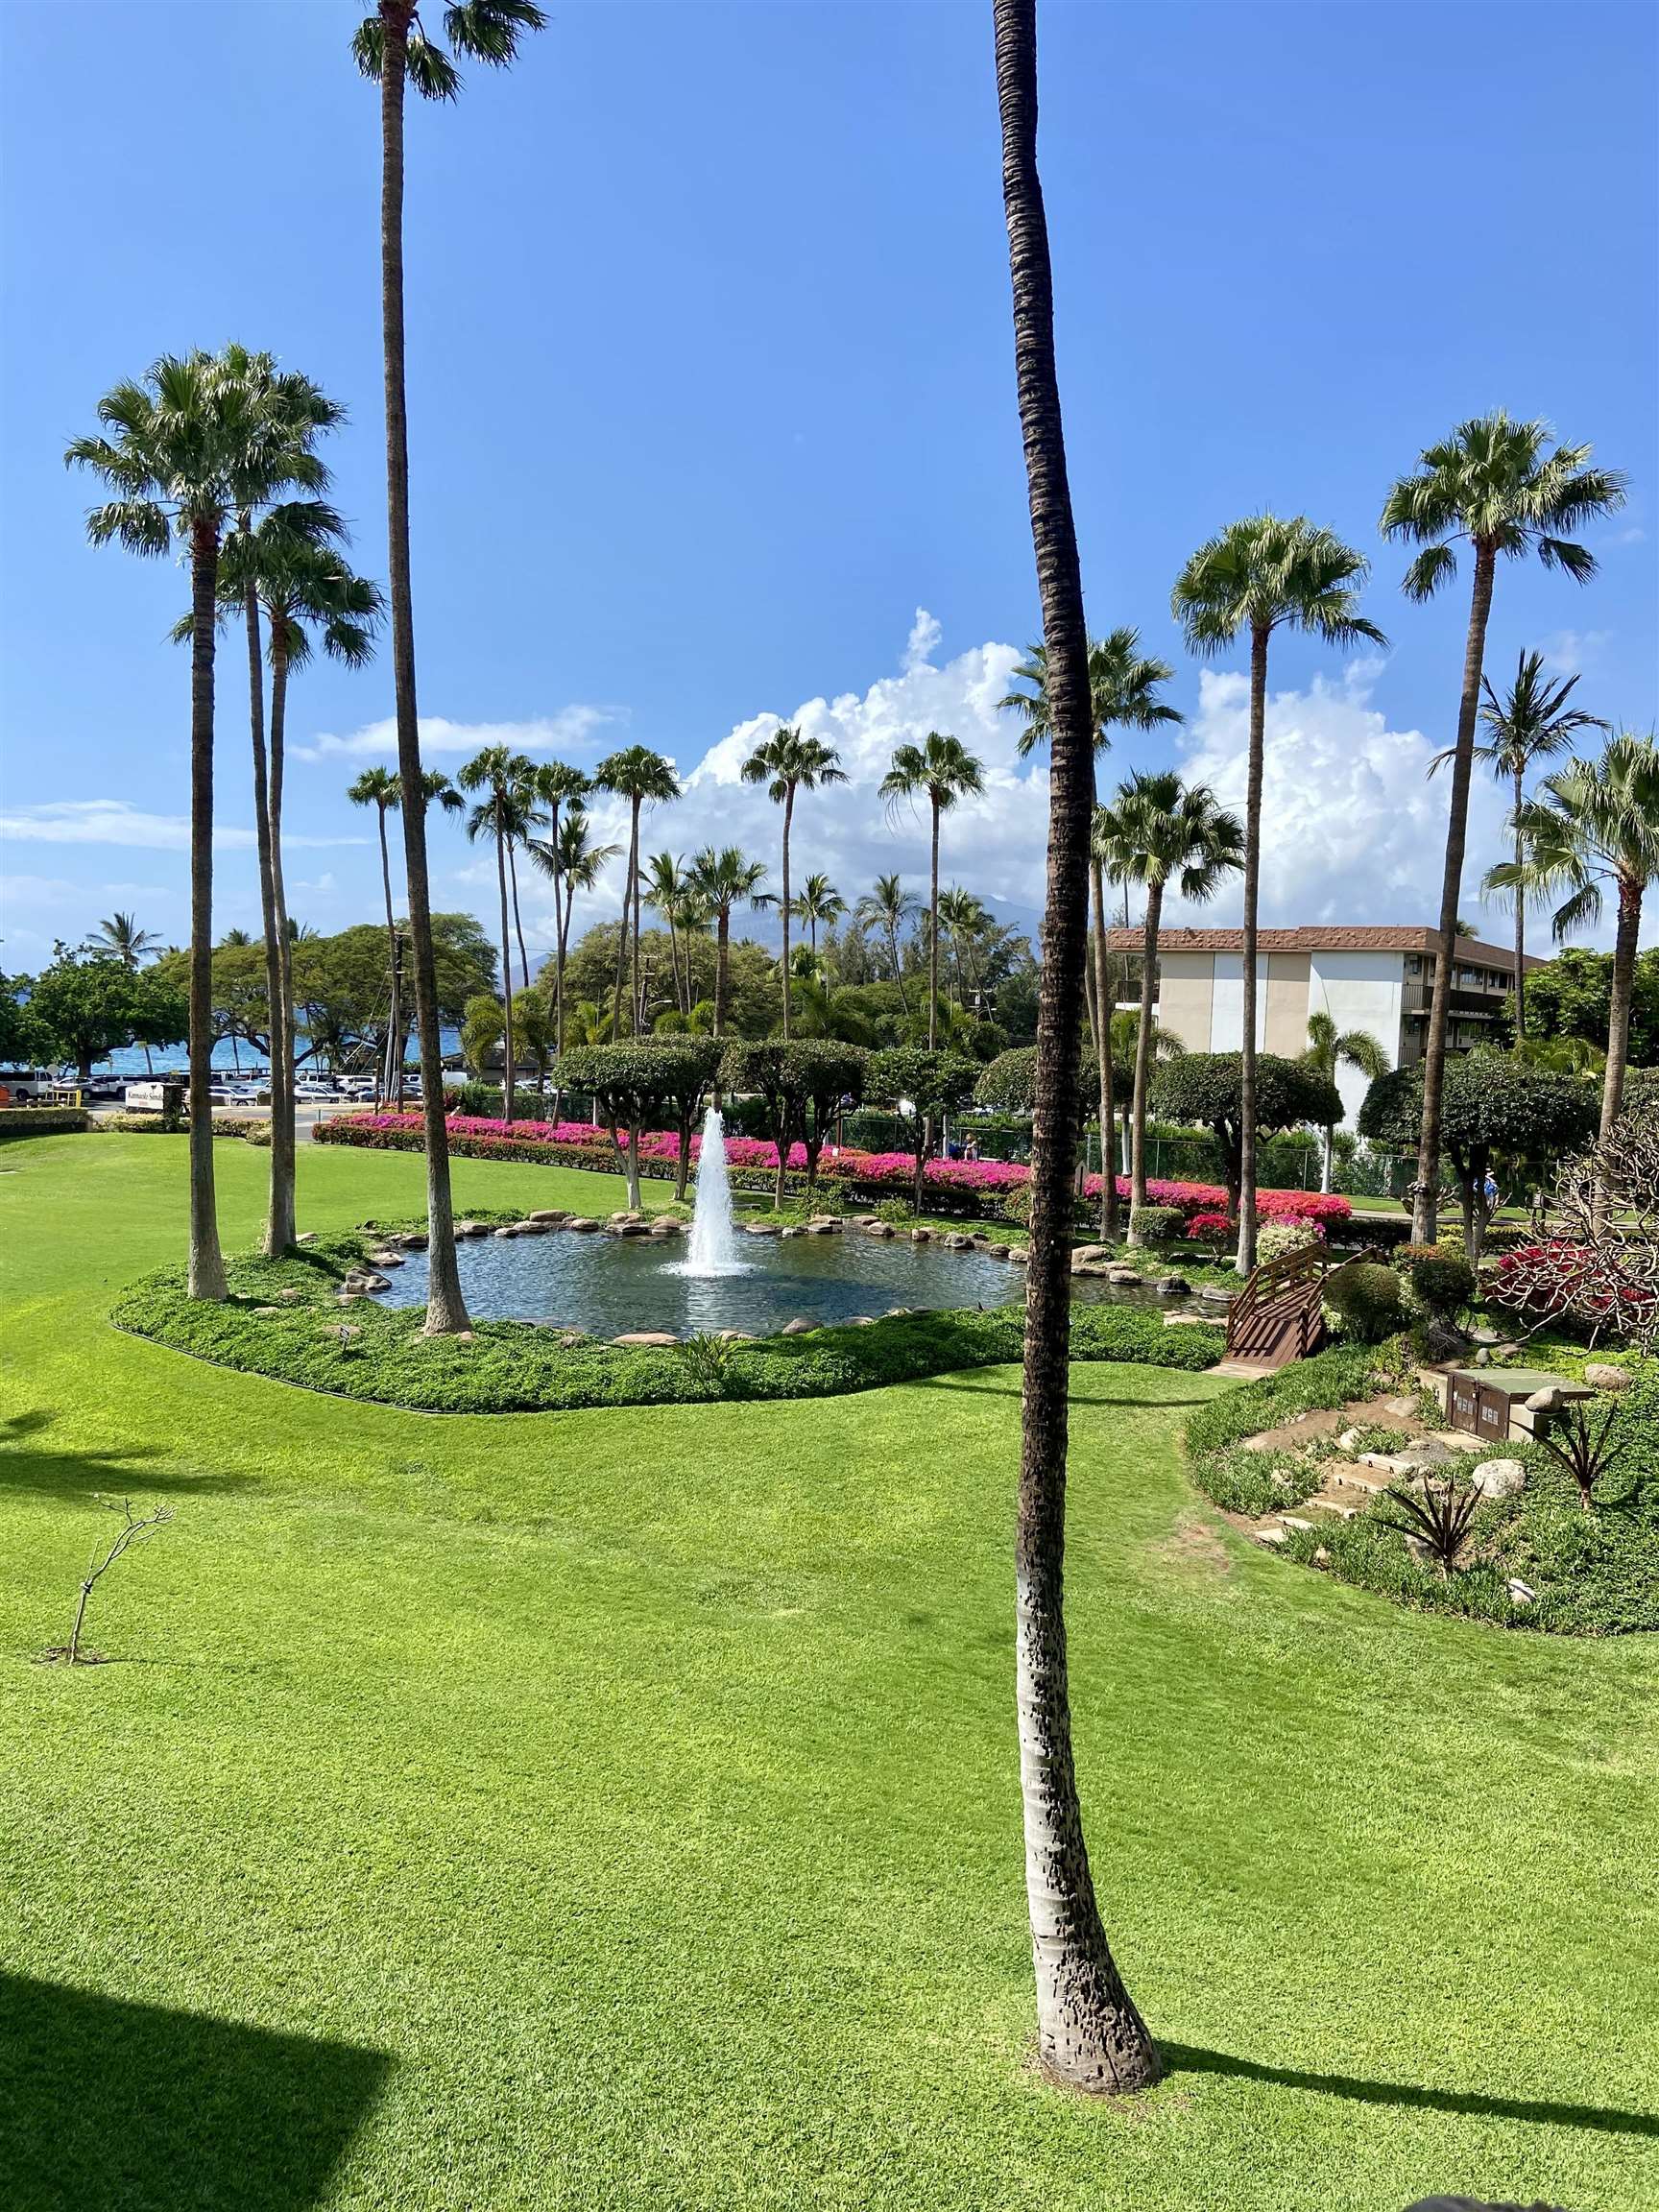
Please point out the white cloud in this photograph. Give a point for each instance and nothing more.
(1353, 828)
(114, 822)
(1568, 651)
(922, 642)
(568, 731)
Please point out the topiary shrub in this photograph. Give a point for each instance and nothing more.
(1443, 1281)
(1017, 1204)
(1157, 1224)
(1365, 1301)
(1277, 1237)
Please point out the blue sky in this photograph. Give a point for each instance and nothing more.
(712, 403)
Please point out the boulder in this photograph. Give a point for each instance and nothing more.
(1217, 1294)
(789, 1229)
(1499, 1477)
(645, 1337)
(1521, 1593)
(1172, 1285)
(1349, 1440)
(1422, 1451)
(1548, 1400)
(388, 1260)
(735, 1337)
(534, 1228)
(583, 1225)
(796, 1328)
(1273, 1537)
(1093, 1269)
(921, 1236)
(874, 1228)
(1602, 1376)
(860, 1321)
(760, 1228)
(824, 1225)
(551, 1217)
(626, 1214)
(1020, 1255)
(264, 1310)
(955, 1243)
(465, 1228)
(627, 1226)
(1126, 1278)
(510, 1229)
(292, 1295)
(1086, 1251)
(665, 1226)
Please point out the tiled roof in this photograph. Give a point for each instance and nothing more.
(1339, 937)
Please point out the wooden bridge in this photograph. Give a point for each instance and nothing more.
(1278, 1314)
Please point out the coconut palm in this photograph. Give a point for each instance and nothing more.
(182, 450)
(1089, 2033)
(818, 902)
(788, 763)
(1159, 830)
(1532, 723)
(121, 935)
(1591, 824)
(888, 907)
(1124, 686)
(377, 787)
(941, 770)
(394, 49)
(579, 863)
(664, 887)
(498, 774)
(289, 565)
(964, 920)
(1265, 573)
(1329, 1048)
(1494, 484)
(557, 786)
(644, 779)
(723, 879)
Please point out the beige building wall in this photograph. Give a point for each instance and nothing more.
(1288, 975)
(1186, 996)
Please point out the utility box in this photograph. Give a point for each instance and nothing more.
(1491, 1402)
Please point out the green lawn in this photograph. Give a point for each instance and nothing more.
(615, 1809)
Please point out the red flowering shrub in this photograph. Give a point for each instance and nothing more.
(1205, 1226)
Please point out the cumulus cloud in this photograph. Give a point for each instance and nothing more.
(568, 731)
(1353, 828)
(114, 822)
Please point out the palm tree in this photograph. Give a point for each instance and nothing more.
(1161, 830)
(964, 920)
(121, 935)
(788, 763)
(1124, 684)
(1492, 483)
(557, 784)
(377, 787)
(499, 773)
(571, 858)
(721, 880)
(1596, 822)
(818, 902)
(943, 770)
(1262, 575)
(182, 450)
(1533, 723)
(1089, 2033)
(888, 906)
(643, 778)
(289, 566)
(393, 48)
(664, 890)
(1329, 1048)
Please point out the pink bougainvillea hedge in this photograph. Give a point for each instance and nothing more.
(977, 1186)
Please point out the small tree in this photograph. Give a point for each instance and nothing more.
(638, 1083)
(1602, 1270)
(84, 1007)
(804, 1085)
(1494, 1110)
(930, 1082)
(135, 1528)
(1009, 1085)
(1208, 1088)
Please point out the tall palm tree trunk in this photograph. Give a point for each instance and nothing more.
(267, 893)
(933, 938)
(633, 973)
(722, 942)
(558, 932)
(1144, 1053)
(1426, 1198)
(628, 889)
(446, 1309)
(395, 1014)
(1625, 941)
(508, 1082)
(207, 1268)
(1088, 2031)
(284, 1226)
(898, 971)
(788, 816)
(1519, 914)
(1104, 1055)
(1246, 1258)
(517, 923)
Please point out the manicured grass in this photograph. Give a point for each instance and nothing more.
(620, 1807)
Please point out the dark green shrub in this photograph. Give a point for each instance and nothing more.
(1365, 1299)
(1157, 1224)
(1444, 1280)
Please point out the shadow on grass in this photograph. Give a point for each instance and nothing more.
(103, 2103)
(74, 1477)
(1185, 2058)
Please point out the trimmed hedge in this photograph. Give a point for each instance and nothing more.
(518, 1367)
(43, 1121)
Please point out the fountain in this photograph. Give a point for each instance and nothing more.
(711, 1248)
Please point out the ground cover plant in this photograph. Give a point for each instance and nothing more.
(620, 1809)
